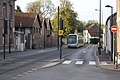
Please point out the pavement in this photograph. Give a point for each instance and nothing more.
(18, 54)
(104, 61)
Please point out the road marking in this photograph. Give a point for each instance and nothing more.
(20, 75)
(92, 63)
(79, 62)
(105, 63)
(25, 73)
(30, 71)
(66, 62)
(84, 51)
(14, 78)
(41, 51)
(34, 69)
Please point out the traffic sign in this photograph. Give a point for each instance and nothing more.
(114, 29)
(60, 32)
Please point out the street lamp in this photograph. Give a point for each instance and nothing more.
(10, 14)
(111, 24)
(99, 48)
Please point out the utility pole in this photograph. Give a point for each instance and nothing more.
(99, 48)
(111, 24)
(60, 36)
(10, 26)
(58, 28)
(5, 26)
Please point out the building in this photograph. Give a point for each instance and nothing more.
(33, 32)
(86, 37)
(90, 32)
(7, 24)
(107, 35)
(118, 31)
(26, 26)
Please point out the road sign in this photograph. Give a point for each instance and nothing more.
(114, 28)
(60, 32)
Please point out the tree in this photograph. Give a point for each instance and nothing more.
(69, 17)
(90, 22)
(81, 26)
(43, 7)
(18, 9)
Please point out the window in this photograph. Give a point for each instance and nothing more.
(72, 39)
(4, 10)
(11, 12)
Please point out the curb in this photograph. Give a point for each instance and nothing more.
(103, 66)
(53, 63)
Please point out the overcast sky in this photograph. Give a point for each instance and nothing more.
(84, 8)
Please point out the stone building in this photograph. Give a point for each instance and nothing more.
(33, 32)
(7, 24)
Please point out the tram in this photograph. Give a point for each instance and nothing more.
(75, 40)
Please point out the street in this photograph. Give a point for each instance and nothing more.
(77, 64)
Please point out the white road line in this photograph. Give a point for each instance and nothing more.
(104, 63)
(77, 59)
(34, 69)
(14, 78)
(66, 62)
(30, 71)
(79, 62)
(25, 73)
(20, 75)
(92, 63)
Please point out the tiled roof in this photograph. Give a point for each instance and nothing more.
(93, 30)
(24, 19)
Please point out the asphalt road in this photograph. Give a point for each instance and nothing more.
(78, 64)
(21, 63)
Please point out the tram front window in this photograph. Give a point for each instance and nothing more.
(72, 39)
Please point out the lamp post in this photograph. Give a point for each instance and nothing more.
(58, 3)
(99, 48)
(10, 25)
(5, 26)
(60, 30)
(111, 24)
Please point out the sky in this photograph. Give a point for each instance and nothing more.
(84, 8)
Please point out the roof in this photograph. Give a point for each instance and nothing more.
(110, 16)
(93, 30)
(47, 24)
(25, 19)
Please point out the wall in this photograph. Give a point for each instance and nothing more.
(118, 25)
(8, 14)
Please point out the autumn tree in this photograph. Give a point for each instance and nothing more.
(81, 26)
(43, 7)
(69, 17)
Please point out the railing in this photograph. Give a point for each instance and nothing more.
(117, 59)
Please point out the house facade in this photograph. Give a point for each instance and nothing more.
(27, 25)
(7, 24)
(108, 44)
(33, 32)
(90, 32)
(86, 37)
(118, 31)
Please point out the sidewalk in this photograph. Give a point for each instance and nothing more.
(104, 61)
(18, 54)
